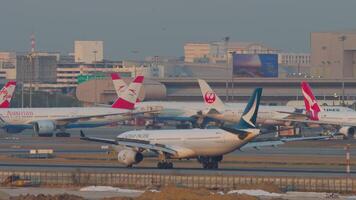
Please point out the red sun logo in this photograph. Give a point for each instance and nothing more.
(210, 97)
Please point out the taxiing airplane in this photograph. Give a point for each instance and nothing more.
(208, 146)
(6, 94)
(46, 121)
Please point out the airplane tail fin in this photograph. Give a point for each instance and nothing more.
(6, 94)
(246, 128)
(211, 99)
(119, 84)
(249, 116)
(129, 97)
(311, 105)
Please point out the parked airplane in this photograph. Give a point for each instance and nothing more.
(46, 121)
(208, 146)
(6, 94)
(167, 111)
(231, 112)
(343, 121)
(214, 109)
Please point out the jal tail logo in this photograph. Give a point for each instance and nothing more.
(210, 97)
(311, 106)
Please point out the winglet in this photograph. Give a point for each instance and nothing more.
(6, 94)
(311, 105)
(129, 97)
(211, 99)
(82, 135)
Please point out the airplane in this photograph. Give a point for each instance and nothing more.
(268, 115)
(46, 121)
(208, 146)
(6, 94)
(231, 112)
(343, 121)
(166, 111)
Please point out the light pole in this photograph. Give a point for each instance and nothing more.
(226, 40)
(95, 92)
(342, 39)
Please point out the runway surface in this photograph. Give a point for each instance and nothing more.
(260, 164)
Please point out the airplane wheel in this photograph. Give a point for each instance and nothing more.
(164, 165)
(62, 134)
(170, 165)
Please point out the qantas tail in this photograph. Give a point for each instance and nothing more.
(129, 96)
(311, 105)
(6, 94)
(211, 99)
(119, 84)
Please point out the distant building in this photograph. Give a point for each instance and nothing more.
(294, 59)
(39, 68)
(8, 65)
(333, 54)
(88, 51)
(193, 52)
(216, 52)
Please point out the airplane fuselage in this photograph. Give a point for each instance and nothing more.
(195, 142)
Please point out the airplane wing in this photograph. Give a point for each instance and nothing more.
(273, 143)
(67, 120)
(133, 143)
(321, 122)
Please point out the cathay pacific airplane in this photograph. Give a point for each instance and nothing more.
(46, 121)
(208, 146)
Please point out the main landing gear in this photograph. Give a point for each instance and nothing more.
(210, 162)
(62, 134)
(165, 165)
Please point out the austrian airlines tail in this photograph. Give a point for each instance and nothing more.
(119, 84)
(129, 96)
(211, 99)
(311, 106)
(6, 94)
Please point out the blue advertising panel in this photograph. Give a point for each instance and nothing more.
(255, 65)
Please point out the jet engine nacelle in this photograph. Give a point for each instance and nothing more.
(44, 127)
(347, 131)
(129, 157)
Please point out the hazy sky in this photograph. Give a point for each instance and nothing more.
(161, 27)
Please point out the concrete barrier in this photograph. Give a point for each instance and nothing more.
(228, 182)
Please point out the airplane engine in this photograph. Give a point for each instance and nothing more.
(347, 131)
(44, 128)
(129, 157)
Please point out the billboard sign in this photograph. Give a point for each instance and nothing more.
(255, 65)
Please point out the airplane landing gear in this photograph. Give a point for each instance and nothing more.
(164, 165)
(62, 134)
(210, 162)
(210, 165)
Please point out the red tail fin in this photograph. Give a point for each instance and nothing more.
(128, 98)
(6, 94)
(311, 106)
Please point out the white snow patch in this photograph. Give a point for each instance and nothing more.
(254, 193)
(154, 190)
(109, 189)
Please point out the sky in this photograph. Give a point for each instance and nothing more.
(134, 29)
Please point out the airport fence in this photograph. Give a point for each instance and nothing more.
(223, 182)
